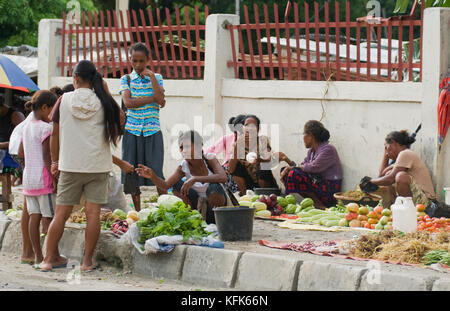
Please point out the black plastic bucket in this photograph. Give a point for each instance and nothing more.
(267, 191)
(234, 223)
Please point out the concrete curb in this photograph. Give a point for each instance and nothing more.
(4, 223)
(319, 276)
(232, 269)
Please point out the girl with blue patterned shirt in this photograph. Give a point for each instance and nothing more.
(143, 95)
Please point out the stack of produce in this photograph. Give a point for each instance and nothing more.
(432, 225)
(273, 204)
(78, 217)
(414, 248)
(152, 199)
(177, 219)
(120, 227)
(327, 218)
(368, 217)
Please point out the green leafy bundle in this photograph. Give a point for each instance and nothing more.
(178, 219)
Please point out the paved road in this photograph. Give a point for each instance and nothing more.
(17, 277)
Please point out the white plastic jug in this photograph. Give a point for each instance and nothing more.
(404, 215)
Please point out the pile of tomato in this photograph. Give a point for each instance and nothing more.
(433, 225)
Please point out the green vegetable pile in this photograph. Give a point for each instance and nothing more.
(339, 208)
(437, 256)
(106, 225)
(177, 219)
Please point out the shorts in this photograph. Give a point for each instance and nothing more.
(41, 204)
(418, 195)
(72, 185)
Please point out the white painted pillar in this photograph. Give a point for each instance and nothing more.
(435, 66)
(217, 54)
(122, 5)
(49, 51)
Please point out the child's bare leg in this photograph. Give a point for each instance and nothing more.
(45, 224)
(216, 200)
(54, 234)
(136, 202)
(241, 184)
(91, 235)
(33, 228)
(27, 248)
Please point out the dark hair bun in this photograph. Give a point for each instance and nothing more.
(401, 137)
(29, 105)
(324, 135)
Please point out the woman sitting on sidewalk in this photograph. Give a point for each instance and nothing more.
(251, 159)
(319, 176)
(408, 176)
(204, 175)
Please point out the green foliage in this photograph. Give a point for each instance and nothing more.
(401, 6)
(19, 19)
(176, 220)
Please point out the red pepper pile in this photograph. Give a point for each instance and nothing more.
(120, 227)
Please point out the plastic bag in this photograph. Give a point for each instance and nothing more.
(116, 197)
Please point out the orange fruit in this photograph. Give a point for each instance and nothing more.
(373, 221)
(378, 209)
(420, 207)
(362, 218)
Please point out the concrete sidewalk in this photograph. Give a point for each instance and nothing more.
(246, 265)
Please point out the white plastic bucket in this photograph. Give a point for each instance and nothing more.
(447, 195)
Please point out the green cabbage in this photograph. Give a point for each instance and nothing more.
(121, 214)
(168, 201)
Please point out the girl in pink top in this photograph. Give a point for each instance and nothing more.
(38, 186)
(225, 145)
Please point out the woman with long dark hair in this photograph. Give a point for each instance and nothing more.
(85, 124)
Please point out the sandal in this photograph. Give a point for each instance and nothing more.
(27, 262)
(38, 268)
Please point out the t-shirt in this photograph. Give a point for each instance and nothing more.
(198, 186)
(143, 120)
(16, 136)
(37, 180)
(82, 144)
(416, 169)
(325, 161)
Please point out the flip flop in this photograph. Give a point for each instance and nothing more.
(63, 265)
(27, 262)
(38, 268)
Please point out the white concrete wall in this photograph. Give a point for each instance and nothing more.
(358, 115)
